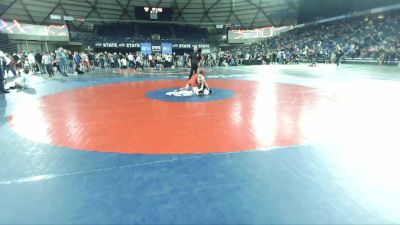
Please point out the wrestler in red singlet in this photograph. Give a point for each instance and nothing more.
(194, 81)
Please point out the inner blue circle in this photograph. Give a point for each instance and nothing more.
(218, 94)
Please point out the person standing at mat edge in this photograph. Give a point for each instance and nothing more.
(2, 71)
(195, 60)
(339, 54)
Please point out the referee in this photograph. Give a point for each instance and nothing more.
(195, 59)
(339, 54)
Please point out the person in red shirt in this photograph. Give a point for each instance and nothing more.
(198, 84)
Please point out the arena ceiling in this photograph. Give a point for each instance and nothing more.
(206, 13)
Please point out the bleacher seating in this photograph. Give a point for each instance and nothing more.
(191, 33)
(145, 32)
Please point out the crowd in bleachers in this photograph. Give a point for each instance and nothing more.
(375, 37)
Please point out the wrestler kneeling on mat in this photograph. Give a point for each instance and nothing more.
(198, 84)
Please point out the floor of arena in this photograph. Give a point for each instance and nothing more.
(278, 144)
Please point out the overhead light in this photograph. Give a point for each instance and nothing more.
(81, 19)
(381, 17)
(55, 17)
(68, 18)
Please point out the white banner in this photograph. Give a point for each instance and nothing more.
(16, 28)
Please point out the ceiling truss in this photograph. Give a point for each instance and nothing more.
(246, 14)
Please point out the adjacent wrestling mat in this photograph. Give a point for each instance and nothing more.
(272, 145)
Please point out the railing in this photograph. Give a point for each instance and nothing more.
(370, 61)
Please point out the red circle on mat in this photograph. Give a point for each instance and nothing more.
(119, 118)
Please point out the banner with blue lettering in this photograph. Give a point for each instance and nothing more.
(166, 48)
(145, 48)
